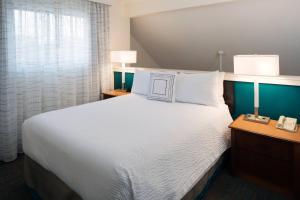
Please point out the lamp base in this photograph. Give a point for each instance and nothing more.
(257, 118)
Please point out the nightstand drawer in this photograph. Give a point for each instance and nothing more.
(264, 145)
(270, 169)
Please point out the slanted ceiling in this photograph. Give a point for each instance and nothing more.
(137, 8)
(190, 38)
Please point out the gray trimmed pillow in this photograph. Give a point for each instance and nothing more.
(162, 87)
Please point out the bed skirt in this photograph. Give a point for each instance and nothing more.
(48, 186)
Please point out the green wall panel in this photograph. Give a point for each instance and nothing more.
(118, 80)
(128, 80)
(276, 100)
(244, 98)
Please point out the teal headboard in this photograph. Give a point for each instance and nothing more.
(274, 100)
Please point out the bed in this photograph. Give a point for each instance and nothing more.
(125, 148)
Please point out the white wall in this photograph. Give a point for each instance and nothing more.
(119, 26)
(122, 10)
(191, 38)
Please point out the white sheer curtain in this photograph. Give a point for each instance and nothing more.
(53, 54)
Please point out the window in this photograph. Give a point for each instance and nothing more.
(50, 40)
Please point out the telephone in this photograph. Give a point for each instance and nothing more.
(287, 123)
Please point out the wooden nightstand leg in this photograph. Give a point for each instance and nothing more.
(297, 171)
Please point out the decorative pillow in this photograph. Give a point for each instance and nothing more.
(162, 87)
(141, 82)
(202, 88)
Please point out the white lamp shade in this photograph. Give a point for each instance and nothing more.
(123, 56)
(258, 65)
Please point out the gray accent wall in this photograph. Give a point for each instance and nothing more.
(191, 38)
(143, 57)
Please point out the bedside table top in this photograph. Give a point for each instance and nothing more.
(265, 129)
(116, 92)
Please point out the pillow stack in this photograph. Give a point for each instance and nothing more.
(205, 88)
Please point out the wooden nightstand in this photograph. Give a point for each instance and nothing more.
(266, 155)
(114, 93)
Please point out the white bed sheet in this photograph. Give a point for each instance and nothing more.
(129, 147)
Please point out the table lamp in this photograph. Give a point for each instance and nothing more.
(123, 57)
(257, 66)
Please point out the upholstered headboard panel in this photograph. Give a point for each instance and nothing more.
(229, 95)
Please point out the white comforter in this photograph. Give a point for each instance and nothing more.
(128, 147)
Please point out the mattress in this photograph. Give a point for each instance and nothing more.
(129, 147)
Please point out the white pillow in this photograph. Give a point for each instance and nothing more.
(221, 87)
(141, 82)
(162, 87)
(202, 88)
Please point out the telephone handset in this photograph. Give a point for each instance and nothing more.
(287, 123)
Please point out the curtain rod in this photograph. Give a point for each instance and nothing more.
(107, 2)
